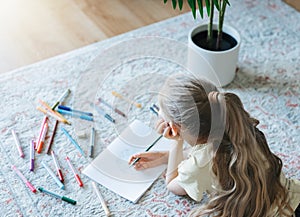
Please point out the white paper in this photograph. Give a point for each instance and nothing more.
(110, 168)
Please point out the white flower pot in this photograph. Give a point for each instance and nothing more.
(216, 66)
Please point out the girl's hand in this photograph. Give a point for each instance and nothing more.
(168, 129)
(149, 159)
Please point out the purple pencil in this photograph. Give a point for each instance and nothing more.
(31, 165)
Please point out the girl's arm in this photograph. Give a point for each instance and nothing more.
(170, 131)
(175, 158)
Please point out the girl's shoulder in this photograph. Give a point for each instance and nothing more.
(199, 156)
(292, 185)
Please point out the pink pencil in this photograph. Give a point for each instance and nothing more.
(45, 119)
(42, 139)
(74, 172)
(23, 178)
(17, 141)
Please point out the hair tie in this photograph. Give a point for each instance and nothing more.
(214, 96)
(218, 118)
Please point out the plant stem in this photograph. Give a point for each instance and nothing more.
(221, 21)
(210, 24)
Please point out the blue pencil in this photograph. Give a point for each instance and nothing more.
(77, 115)
(72, 140)
(153, 110)
(113, 108)
(102, 112)
(66, 108)
(155, 107)
(58, 182)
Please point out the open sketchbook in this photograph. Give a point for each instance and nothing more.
(110, 168)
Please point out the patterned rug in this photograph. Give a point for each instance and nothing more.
(136, 64)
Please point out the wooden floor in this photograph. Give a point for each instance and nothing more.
(33, 30)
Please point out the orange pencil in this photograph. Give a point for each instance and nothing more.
(138, 105)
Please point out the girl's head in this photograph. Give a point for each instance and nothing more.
(246, 171)
(183, 101)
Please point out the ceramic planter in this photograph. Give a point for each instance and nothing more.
(217, 66)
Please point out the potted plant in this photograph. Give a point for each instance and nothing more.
(213, 47)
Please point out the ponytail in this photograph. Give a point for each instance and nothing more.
(247, 172)
(259, 166)
(229, 118)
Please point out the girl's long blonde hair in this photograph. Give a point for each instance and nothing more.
(247, 172)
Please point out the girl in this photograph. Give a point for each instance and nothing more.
(229, 158)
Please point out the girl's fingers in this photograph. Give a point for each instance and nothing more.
(131, 159)
(158, 123)
(141, 165)
(152, 156)
(161, 127)
(167, 132)
(144, 156)
(149, 159)
(174, 129)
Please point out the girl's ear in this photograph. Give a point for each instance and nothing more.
(174, 129)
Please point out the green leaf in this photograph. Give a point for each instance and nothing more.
(227, 2)
(207, 3)
(192, 4)
(180, 3)
(200, 7)
(174, 2)
(165, 1)
(216, 3)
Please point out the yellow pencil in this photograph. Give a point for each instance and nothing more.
(49, 109)
(138, 105)
(52, 115)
